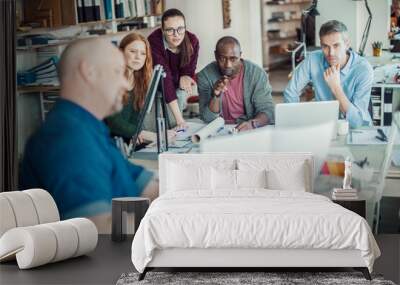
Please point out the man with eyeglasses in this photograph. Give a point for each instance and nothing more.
(235, 89)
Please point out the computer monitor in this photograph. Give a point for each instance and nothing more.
(154, 91)
(306, 113)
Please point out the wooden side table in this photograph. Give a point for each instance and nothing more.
(358, 206)
(127, 212)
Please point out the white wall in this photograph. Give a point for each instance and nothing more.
(354, 15)
(204, 18)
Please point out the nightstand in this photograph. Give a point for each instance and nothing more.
(358, 206)
(127, 212)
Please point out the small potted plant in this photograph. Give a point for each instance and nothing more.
(377, 48)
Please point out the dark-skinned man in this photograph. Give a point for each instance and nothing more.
(235, 89)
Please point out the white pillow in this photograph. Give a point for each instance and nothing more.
(251, 179)
(282, 174)
(292, 179)
(223, 179)
(184, 177)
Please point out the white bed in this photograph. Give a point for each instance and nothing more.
(220, 224)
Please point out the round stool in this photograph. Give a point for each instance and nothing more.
(127, 212)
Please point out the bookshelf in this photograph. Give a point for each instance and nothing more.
(281, 23)
(34, 102)
(57, 13)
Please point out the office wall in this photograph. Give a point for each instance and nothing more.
(204, 18)
(354, 15)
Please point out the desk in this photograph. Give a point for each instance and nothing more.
(369, 181)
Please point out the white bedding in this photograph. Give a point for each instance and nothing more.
(253, 218)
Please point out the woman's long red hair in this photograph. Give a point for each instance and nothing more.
(142, 76)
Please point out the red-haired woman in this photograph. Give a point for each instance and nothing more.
(139, 68)
(177, 50)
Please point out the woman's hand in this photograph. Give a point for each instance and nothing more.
(140, 139)
(181, 125)
(185, 83)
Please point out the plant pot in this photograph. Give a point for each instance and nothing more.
(376, 51)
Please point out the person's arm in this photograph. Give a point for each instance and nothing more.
(259, 120)
(356, 111)
(120, 125)
(205, 88)
(180, 121)
(301, 76)
(262, 102)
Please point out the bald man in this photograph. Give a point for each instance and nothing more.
(72, 155)
(235, 89)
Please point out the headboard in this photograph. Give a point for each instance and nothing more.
(172, 167)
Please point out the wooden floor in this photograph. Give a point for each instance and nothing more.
(110, 260)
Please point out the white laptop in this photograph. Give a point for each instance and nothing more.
(306, 113)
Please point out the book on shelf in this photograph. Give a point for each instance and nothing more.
(344, 191)
(96, 10)
(388, 106)
(88, 15)
(344, 198)
(376, 100)
(344, 194)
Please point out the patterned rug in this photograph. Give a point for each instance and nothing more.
(243, 278)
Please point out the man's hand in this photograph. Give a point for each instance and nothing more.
(244, 126)
(332, 77)
(185, 83)
(220, 86)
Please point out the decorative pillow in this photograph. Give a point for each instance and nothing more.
(251, 179)
(223, 179)
(183, 177)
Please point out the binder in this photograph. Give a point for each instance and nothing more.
(140, 9)
(96, 10)
(388, 106)
(88, 10)
(108, 10)
(376, 100)
(132, 7)
(79, 10)
(127, 10)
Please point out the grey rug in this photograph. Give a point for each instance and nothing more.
(225, 278)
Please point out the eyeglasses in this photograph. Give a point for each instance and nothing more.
(171, 31)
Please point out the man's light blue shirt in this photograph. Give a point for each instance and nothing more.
(356, 78)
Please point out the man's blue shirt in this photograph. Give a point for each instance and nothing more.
(356, 78)
(73, 157)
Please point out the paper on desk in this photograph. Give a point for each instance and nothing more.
(209, 130)
(193, 127)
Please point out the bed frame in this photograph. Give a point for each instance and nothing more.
(240, 259)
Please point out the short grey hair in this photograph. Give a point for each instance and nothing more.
(332, 27)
